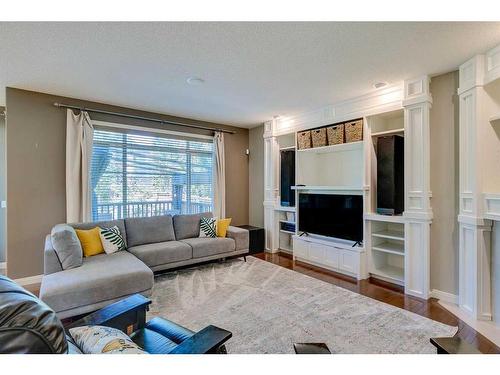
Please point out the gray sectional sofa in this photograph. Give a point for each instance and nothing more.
(152, 244)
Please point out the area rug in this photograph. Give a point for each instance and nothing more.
(268, 308)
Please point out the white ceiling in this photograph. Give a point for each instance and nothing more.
(252, 71)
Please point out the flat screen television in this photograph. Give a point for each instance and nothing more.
(332, 215)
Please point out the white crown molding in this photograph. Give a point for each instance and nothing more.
(492, 72)
(471, 74)
(417, 91)
(29, 280)
(383, 100)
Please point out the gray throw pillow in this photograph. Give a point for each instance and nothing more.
(67, 246)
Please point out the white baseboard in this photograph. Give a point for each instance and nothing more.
(29, 280)
(444, 296)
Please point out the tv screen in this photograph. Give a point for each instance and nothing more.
(339, 216)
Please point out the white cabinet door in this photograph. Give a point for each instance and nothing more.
(317, 252)
(300, 248)
(348, 261)
(332, 257)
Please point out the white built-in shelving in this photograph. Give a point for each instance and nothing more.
(394, 248)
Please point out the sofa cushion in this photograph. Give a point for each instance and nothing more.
(144, 230)
(206, 246)
(67, 246)
(155, 254)
(103, 224)
(100, 278)
(188, 226)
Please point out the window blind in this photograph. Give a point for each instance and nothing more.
(148, 174)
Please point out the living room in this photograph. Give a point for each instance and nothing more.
(269, 188)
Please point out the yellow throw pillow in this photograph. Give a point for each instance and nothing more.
(222, 225)
(91, 241)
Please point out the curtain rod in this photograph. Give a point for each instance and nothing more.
(60, 105)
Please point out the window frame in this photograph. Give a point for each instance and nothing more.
(104, 125)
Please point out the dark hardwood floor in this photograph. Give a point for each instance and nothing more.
(387, 293)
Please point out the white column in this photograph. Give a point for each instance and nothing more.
(271, 177)
(474, 230)
(418, 211)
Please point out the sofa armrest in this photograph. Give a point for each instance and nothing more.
(127, 315)
(51, 263)
(240, 236)
(208, 340)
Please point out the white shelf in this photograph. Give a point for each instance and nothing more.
(286, 231)
(389, 132)
(385, 218)
(390, 247)
(287, 148)
(285, 209)
(390, 234)
(334, 148)
(390, 272)
(287, 221)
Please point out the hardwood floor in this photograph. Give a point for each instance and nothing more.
(387, 293)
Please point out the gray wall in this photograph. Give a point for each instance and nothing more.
(444, 183)
(256, 176)
(36, 132)
(3, 216)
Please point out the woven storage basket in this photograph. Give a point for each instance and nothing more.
(335, 134)
(353, 131)
(318, 137)
(304, 140)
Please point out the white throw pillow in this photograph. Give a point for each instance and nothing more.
(112, 240)
(208, 227)
(104, 340)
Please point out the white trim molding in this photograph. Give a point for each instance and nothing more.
(271, 186)
(444, 296)
(379, 101)
(29, 280)
(418, 211)
(478, 145)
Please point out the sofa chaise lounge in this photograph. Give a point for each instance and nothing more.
(152, 244)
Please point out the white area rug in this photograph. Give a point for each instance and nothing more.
(268, 308)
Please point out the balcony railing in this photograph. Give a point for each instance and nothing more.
(112, 211)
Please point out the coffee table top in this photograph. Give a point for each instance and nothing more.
(311, 348)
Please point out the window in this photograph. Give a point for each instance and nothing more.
(149, 174)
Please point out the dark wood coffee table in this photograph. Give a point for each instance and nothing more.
(311, 348)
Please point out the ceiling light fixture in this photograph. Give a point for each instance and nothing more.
(379, 85)
(195, 81)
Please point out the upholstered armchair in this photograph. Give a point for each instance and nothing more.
(28, 325)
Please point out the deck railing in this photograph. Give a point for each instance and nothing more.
(112, 211)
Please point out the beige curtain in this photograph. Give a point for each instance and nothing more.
(79, 137)
(219, 176)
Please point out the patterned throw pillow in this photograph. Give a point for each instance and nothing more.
(104, 340)
(112, 240)
(208, 227)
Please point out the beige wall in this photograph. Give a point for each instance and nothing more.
(36, 171)
(3, 217)
(256, 176)
(444, 183)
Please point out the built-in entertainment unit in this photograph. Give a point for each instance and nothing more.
(332, 215)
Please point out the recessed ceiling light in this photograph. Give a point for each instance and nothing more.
(195, 81)
(379, 85)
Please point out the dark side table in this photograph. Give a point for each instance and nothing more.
(256, 235)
